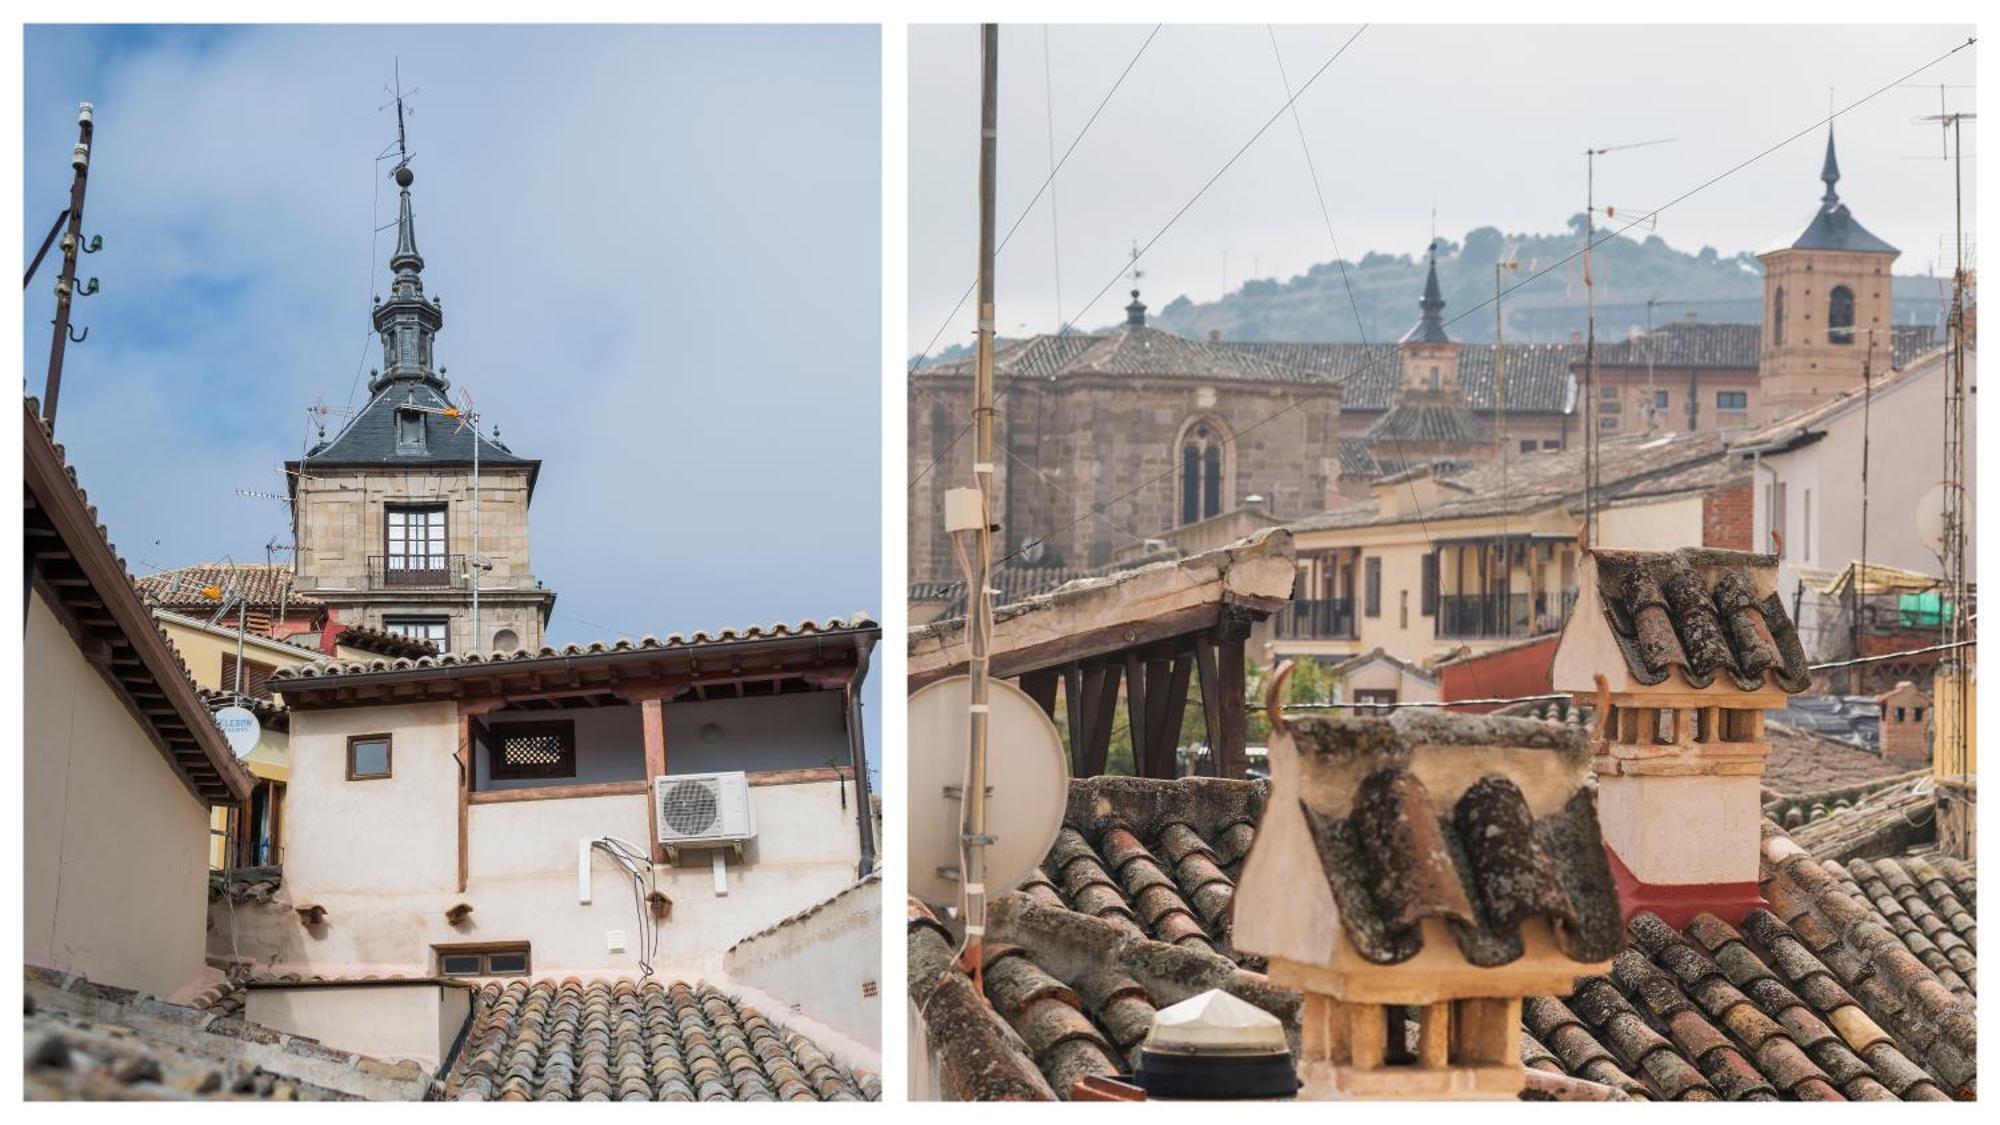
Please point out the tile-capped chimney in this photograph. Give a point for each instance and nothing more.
(1681, 653)
(1415, 878)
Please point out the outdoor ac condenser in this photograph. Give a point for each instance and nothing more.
(702, 809)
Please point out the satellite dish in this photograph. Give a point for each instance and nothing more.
(240, 726)
(1027, 783)
(1930, 517)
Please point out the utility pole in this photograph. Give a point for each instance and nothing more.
(973, 837)
(1861, 573)
(71, 246)
(1953, 664)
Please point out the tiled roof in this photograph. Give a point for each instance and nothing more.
(245, 884)
(871, 879)
(1485, 867)
(1684, 344)
(1629, 468)
(1885, 818)
(1667, 614)
(94, 1042)
(1356, 458)
(383, 641)
(859, 622)
(1129, 350)
(1430, 422)
(64, 535)
(1803, 761)
(1858, 983)
(1908, 341)
(1539, 380)
(630, 1041)
(261, 584)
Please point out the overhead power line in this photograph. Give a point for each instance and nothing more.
(1572, 256)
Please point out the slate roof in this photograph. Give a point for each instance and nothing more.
(630, 1041)
(1666, 614)
(1849, 987)
(369, 438)
(859, 622)
(260, 584)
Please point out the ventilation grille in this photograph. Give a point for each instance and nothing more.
(532, 751)
(690, 808)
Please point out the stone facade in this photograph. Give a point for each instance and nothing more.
(342, 530)
(1077, 446)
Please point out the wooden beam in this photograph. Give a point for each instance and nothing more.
(1073, 705)
(1098, 752)
(1211, 700)
(653, 732)
(1136, 707)
(1231, 636)
(1041, 687)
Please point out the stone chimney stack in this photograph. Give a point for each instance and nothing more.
(1680, 653)
(1415, 878)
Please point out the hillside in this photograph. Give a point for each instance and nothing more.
(1314, 306)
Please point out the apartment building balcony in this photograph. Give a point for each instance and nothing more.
(416, 572)
(1316, 619)
(1500, 616)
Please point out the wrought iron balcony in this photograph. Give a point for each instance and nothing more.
(1483, 616)
(1324, 619)
(416, 572)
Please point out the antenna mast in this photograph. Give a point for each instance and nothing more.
(973, 836)
(72, 244)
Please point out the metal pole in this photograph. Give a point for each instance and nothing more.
(1589, 351)
(478, 561)
(1861, 574)
(71, 243)
(979, 607)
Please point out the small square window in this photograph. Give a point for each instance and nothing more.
(368, 757)
(1732, 400)
(509, 959)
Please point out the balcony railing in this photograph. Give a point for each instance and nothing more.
(1480, 616)
(419, 572)
(1325, 619)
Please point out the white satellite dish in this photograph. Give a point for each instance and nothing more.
(1930, 517)
(1027, 782)
(240, 726)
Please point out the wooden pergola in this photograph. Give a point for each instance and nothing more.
(1150, 631)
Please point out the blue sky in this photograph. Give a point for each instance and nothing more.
(658, 248)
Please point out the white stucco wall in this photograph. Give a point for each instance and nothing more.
(115, 847)
(412, 1020)
(784, 733)
(1661, 525)
(382, 858)
(824, 962)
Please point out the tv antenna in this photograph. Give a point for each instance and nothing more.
(398, 99)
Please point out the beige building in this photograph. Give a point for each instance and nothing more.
(392, 531)
(121, 761)
(1437, 562)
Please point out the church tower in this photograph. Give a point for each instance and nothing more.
(1823, 297)
(1429, 418)
(383, 513)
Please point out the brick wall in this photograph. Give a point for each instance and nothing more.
(1727, 519)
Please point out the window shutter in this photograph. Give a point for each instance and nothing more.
(256, 676)
(1372, 606)
(1430, 595)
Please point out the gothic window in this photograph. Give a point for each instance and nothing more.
(1840, 315)
(1778, 317)
(1201, 473)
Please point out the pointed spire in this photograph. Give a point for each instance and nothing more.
(1429, 328)
(1829, 173)
(406, 256)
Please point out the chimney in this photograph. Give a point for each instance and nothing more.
(1576, 336)
(1215, 335)
(1384, 849)
(1688, 317)
(1906, 714)
(1680, 653)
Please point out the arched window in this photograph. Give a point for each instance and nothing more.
(1202, 469)
(1437, 381)
(1840, 315)
(1778, 318)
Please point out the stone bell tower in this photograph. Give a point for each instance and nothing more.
(383, 512)
(1826, 295)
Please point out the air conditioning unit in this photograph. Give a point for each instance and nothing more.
(704, 809)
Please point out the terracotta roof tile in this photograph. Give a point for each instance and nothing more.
(1697, 610)
(628, 1040)
(263, 585)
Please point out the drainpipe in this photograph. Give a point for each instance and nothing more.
(858, 758)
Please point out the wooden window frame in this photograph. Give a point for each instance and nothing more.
(485, 951)
(1371, 586)
(496, 734)
(388, 755)
(390, 511)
